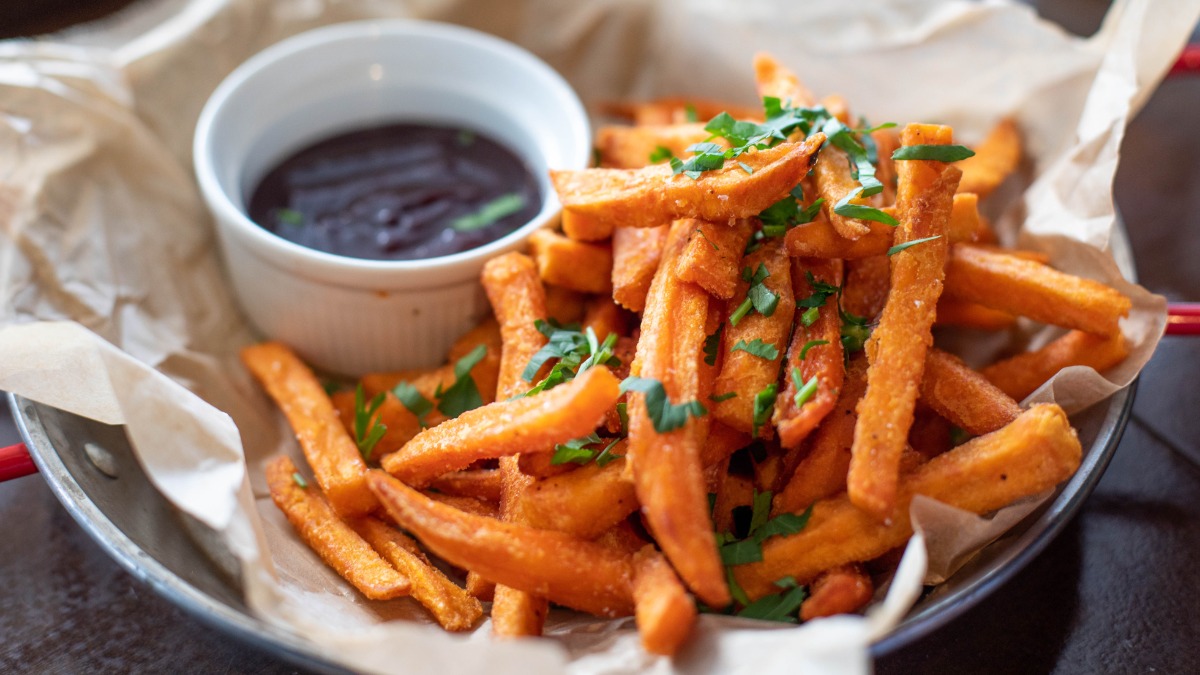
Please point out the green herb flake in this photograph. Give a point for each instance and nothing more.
(862, 212)
(623, 417)
(804, 390)
(809, 345)
(740, 313)
(576, 352)
(689, 112)
(937, 153)
(717, 398)
(606, 455)
(908, 244)
(414, 401)
(809, 316)
(665, 415)
(757, 347)
(299, 480)
(289, 216)
(500, 207)
(855, 332)
(661, 153)
(710, 241)
(463, 395)
(367, 428)
(782, 606)
(575, 450)
(712, 345)
(764, 402)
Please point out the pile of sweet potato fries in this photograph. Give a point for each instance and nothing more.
(718, 380)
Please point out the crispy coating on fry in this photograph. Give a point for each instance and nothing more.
(330, 538)
(954, 312)
(1023, 287)
(478, 483)
(677, 110)
(745, 373)
(841, 590)
(568, 570)
(665, 612)
(330, 451)
(584, 502)
(897, 346)
(773, 79)
(712, 256)
(631, 147)
(533, 423)
(581, 227)
(575, 265)
(995, 158)
(636, 255)
(865, 289)
(518, 300)
(605, 317)
(652, 196)
(1020, 375)
(834, 182)
(824, 362)
(963, 396)
(449, 604)
(1036, 452)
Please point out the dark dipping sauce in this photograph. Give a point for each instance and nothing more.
(397, 192)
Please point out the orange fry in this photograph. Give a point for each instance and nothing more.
(631, 147)
(954, 312)
(665, 613)
(584, 502)
(678, 110)
(518, 300)
(568, 570)
(897, 347)
(775, 80)
(330, 451)
(585, 228)
(963, 396)
(712, 255)
(532, 423)
(636, 255)
(995, 158)
(1036, 452)
(1025, 288)
(330, 538)
(1020, 375)
(866, 287)
(841, 590)
(605, 317)
(564, 305)
(575, 265)
(652, 196)
(834, 182)
(478, 483)
(822, 362)
(446, 601)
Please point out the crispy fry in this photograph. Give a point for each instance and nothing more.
(834, 182)
(540, 562)
(744, 373)
(732, 491)
(631, 147)
(965, 222)
(330, 538)
(541, 464)
(865, 289)
(564, 305)
(721, 442)
(426, 380)
(995, 158)
(954, 312)
(585, 228)
(1036, 452)
(605, 317)
(887, 141)
(533, 423)
(584, 502)
(1020, 375)
(330, 451)
(518, 300)
(636, 255)
(652, 196)
(819, 239)
(678, 110)
(897, 347)
(822, 472)
(775, 80)
(963, 396)
(446, 601)
(712, 255)
(473, 505)
(824, 362)
(481, 484)
(665, 613)
(575, 265)
(1011, 284)
(841, 590)
(666, 466)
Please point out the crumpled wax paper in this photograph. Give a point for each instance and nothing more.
(115, 305)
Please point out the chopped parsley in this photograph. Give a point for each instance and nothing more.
(712, 346)
(412, 399)
(463, 395)
(762, 527)
(855, 332)
(809, 345)
(710, 241)
(781, 606)
(665, 416)
(862, 212)
(938, 153)
(367, 428)
(804, 390)
(757, 347)
(299, 480)
(500, 207)
(821, 291)
(689, 112)
(758, 296)
(578, 451)
(661, 153)
(764, 402)
(576, 352)
(900, 247)
(809, 316)
(717, 398)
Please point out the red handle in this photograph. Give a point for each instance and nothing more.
(1183, 318)
(15, 462)
(1189, 61)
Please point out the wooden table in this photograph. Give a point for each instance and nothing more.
(1116, 592)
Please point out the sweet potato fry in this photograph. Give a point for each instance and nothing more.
(1036, 452)
(822, 472)
(652, 196)
(887, 141)
(605, 317)
(636, 255)
(426, 380)
(841, 590)
(865, 289)
(772, 79)
(965, 222)
(564, 305)
(995, 158)
(721, 442)
(1025, 288)
(538, 562)
(631, 147)
(897, 347)
(330, 538)
(666, 466)
(664, 611)
(481, 484)
(446, 601)
(585, 228)
(518, 300)
(473, 505)
(330, 451)
(743, 372)
(678, 110)
(963, 396)
(954, 312)
(1020, 375)
(576, 265)
(712, 255)
(809, 358)
(584, 502)
(533, 423)
(834, 182)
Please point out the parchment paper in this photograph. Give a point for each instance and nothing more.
(116, 307)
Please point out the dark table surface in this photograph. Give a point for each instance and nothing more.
(1115, 593)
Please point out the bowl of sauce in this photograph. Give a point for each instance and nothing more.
(361, 174)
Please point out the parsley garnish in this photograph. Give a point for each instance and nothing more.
(786, 213)
(862, 212)
(660, 153)
(781, 606)
(809, 316)
(854, 332)
(710, 241)
(758, 348)
(578, 452)
(900, 247)
(938, 153)
(299, 480)
(764, 401)
(463, 395)
(804, 390)
(412, 399)
(367, 431)
(717, 398)
(758, 296)
(689, 112)
(575, 351)
(665, 415)
(809, 345)
(289, 216)
(712, 346)
(749, 550)
(821, 291)
(623, 417)
(500, 207)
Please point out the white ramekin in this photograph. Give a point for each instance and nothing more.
(346, 315)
